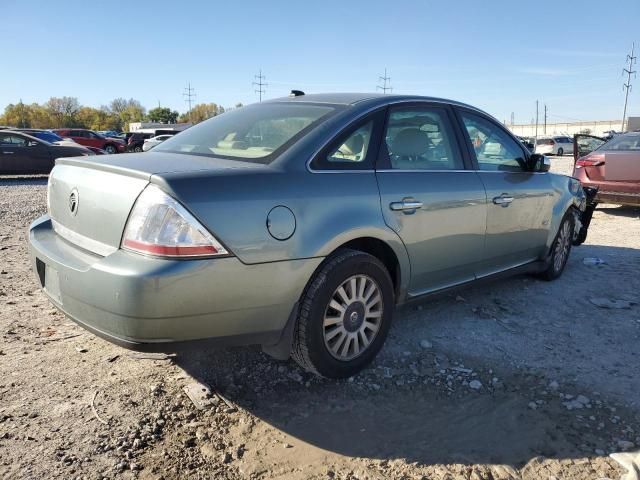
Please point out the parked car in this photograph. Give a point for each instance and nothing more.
(554, 145)
(149, 143)
(612, 166)
(298, 224)
(51, 137)
(22, 154)
(90, 138)
(136, 141)
(109, 133)
(527, 142)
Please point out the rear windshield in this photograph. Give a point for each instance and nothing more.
(622, 142)
(255, 133)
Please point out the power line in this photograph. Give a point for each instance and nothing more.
(188, 95)
(386, 83)
(627, 86)
(260, 84)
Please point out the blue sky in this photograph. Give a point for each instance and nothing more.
(498, 55)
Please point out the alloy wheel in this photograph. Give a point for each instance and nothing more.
(562, 246)
(353, 317)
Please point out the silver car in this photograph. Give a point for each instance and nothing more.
(298, 224)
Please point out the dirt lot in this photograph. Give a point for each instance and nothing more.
(515, 379)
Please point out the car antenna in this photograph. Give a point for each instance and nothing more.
(296, 93)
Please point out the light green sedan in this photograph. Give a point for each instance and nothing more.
(299, 224)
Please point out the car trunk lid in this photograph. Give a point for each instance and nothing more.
(89, 201)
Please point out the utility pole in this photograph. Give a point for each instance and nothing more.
(22, 124)
(259, 83)
(545, 118)
(512, 119)
(188, 94)
(536, 120)
(627, 86)
(386, 83)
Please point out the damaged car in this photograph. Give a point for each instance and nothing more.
(298, 224)
(610, 165)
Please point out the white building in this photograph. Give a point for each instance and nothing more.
(148, 126)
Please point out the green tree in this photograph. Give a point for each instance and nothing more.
(16, 115)
(63, 110)
(201, 112)
(163, 115)
(126, 111)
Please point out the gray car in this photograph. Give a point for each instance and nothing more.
(298, 224)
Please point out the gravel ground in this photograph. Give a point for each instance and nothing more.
(517, 379)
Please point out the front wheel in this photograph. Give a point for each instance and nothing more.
(560, 249)
(344, 316)
(560, 152)
(110, 149)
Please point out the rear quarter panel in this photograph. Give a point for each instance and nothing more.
(564, 199)
(330, 209)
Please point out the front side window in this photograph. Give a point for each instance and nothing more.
(13, 140)
(421, 138)
(495, 150)
(255, 133)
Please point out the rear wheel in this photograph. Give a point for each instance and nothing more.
(345, 314)
(560, 152)
(560, 249)
(137, 149)
(110, 149)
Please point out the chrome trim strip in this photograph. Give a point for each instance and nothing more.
(83, 242)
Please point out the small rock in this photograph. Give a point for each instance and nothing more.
(426, 344)
(475, 384)
(553, 385)
(533, 405)
(583, 400)
(287, 445)
(625, 445)
(81, 350)
(599, 451)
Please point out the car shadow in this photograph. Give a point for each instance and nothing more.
(620, 210)
(19, 180)
(406, 416)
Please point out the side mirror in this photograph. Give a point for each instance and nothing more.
(539, 163)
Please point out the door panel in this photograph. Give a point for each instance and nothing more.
(519, 202)
(437, 206)
(445, 236)
(516, 231)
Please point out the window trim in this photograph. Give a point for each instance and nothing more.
(383, 162)
(319, 162)
(468, 144)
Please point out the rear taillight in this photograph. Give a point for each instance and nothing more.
(159, 225)
(586, 162)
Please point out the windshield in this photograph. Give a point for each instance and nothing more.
(622, 142)
(255, 133)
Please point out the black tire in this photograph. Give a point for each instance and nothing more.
(560, 152)
(110, 149)
(310, 347)
(556, 260)
(137, 149)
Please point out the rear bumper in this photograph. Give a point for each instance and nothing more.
(148, 303)
(621, 198)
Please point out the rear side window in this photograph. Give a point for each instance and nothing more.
(421, 138)
(622, 143)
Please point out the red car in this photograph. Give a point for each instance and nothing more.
(89, 138)
(611, 166)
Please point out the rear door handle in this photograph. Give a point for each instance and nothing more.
(503, 200)
(7, 153)
(407, 204)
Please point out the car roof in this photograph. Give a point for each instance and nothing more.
(357, 98)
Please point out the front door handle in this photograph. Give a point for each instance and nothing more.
(405, 205)
(7, 153)
(503, 200)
